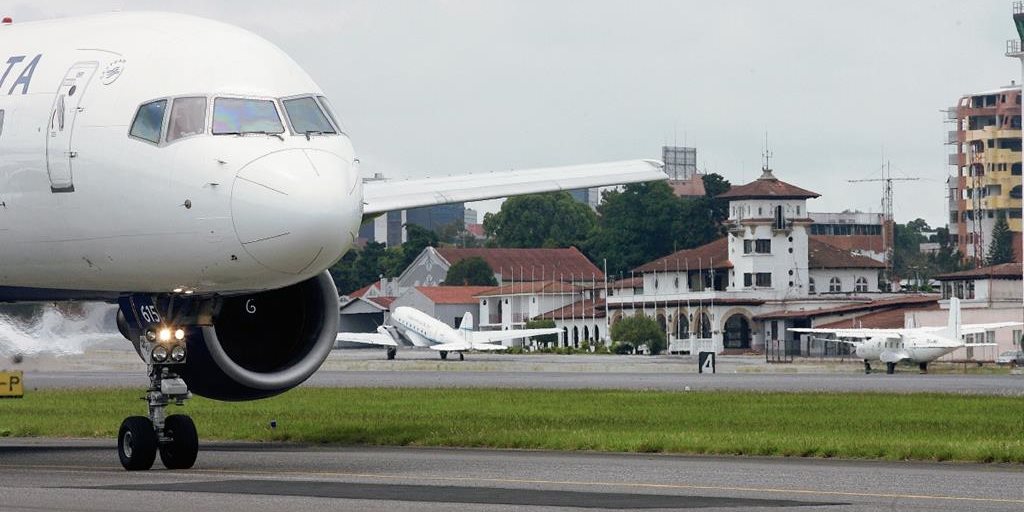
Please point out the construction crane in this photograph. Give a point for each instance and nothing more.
(888, 224)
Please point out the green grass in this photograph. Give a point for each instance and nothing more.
(847, 425)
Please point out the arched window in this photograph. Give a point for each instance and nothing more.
(586, 333)
(682, 327)
(861, 285)
(835, 285)
(737, 332)
(810, 285)
(661, 322)
(704, 326)
(575, 336)
(565, 336)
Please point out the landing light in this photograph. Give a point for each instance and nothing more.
(178, 353)
(160, 353)
(165, 334)
(179, 334)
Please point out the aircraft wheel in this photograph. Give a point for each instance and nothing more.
(181, 451)
(890, 368)
(444, 355)
(462, 357)
(136, 443)
(392, 352)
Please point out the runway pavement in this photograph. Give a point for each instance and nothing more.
(368, 368)
(58, 475)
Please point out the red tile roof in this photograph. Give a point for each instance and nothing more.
(888, 319)
(866, 305)
(823, 255)
(529, 287)
(712, 255)
(529, 264)
(476, 230)
(384, 302)
(588, 308)
(863, 243)
(693, 187)
(1004, 271)
(360, 292)
(453, 294)
(628, 282)
(768, 187)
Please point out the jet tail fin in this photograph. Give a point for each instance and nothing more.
(952, 330)
(467, 322)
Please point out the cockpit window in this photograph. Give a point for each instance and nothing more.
(237, 116)
(188, 117)
(306, 117)
(330, 112)
(149, 121)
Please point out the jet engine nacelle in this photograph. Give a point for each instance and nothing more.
(260, 344)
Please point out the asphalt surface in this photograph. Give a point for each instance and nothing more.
(423, 369)
(58, 475)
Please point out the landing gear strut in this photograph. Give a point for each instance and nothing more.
(923, 367)
(867, 367)
(444, 354)
(175, 436)
(890, 368)
(392, 352)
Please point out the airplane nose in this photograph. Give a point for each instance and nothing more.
(294, 209)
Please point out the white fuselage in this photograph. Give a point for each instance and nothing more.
(922, 348)
(422, 329)
(85, 206)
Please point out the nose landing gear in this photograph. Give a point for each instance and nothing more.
(174, 437)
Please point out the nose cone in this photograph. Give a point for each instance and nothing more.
(294, 210)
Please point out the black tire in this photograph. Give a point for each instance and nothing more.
(444, 355)
(136, 443)
(462, 357)
(890, 368)
(181, 451)
(392, 352)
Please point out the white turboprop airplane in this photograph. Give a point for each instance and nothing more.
(412, 327)
(920, 345)
(194, 173)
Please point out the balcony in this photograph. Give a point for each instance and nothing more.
(953, 137)
(957, 159)
(1013, 48)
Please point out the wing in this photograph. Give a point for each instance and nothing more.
(480, 337)
(853, 333)
(459, 346)
(367, 338)
(386, 196)
(979, 328)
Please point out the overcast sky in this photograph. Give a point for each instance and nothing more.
(449, 87)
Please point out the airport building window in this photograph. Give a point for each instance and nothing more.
(306, 117)
(237, 116)
(835, 285)
(188, 118)
(149, 121)
(861, 285)
(763, 279)
(810, 285)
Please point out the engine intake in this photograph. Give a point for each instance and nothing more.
(263, 344)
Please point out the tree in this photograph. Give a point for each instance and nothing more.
(552, 219)
(639, 330)
(543, 323)
(472, 271)
(1000, 249)
(636, 224)
(417, 238)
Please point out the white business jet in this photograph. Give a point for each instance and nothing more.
(192, 172)
(412, 327)
(920, 345)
